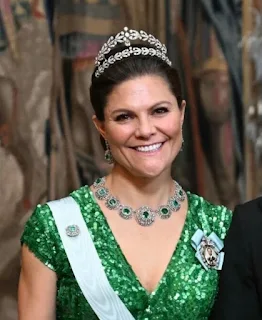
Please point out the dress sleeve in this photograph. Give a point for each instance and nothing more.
(38, 235)
(237, 297)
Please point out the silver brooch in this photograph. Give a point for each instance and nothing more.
(72, 230)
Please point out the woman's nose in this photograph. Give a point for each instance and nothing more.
(145, 128)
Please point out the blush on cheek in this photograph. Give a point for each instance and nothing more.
(175, 133)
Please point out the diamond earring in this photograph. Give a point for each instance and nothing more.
(108, 155)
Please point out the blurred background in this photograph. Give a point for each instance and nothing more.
(48, 144)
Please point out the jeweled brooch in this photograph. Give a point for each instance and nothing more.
(208, 250)
(72, 230)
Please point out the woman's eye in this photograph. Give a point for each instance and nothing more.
(123, 117)
(161, 110)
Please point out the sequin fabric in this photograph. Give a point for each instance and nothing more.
(186, 290)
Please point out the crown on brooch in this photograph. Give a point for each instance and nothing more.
(126, 36)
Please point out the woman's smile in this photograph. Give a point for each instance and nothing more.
(149, 148)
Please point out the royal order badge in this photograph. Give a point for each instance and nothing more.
(208, 250)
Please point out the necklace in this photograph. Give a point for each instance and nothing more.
(145, 216)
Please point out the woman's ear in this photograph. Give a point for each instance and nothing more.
(99, 126)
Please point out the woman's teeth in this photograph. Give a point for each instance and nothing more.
(153, 147)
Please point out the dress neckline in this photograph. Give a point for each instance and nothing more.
(123, 257)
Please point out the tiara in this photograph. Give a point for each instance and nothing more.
(126, 36)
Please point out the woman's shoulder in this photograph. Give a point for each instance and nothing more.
(82, 194)
(41, 216)
(40, 235)
(42, 213)
(209, 216)
(202, 205)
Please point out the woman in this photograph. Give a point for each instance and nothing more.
(160, 247)
(240, 284)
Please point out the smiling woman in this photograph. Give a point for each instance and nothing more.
(143, 126)
(131, 246)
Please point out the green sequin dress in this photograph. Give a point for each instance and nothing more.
(186, 290)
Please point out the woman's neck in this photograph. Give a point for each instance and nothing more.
(139, 191)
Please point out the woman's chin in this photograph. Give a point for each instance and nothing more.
(144, 168)
(147, 172)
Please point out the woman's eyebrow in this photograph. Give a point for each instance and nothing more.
(152, 107)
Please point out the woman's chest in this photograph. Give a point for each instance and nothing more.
(186, 291)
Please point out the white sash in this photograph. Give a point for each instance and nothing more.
(85, 262)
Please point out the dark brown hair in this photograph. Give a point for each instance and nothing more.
(130, 68)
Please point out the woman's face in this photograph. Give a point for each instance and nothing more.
(143, 126)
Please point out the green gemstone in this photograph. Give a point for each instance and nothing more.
(146, 214)
(164, 211)
(180, 192)
(108, 156)
(98, 180)
(126, 211)
(112, 202)
(102, 192)
(72, 228)
(175, 203)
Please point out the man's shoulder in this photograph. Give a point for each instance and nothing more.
(253, 206)
(249, 214)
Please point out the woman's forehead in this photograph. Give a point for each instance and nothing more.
(146, 90)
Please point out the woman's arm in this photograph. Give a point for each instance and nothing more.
(37, 289)
(237, 296)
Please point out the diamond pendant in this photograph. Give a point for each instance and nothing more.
(145, 216)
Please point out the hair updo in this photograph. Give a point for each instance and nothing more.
(127, 69)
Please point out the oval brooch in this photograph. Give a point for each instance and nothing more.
(208, 250)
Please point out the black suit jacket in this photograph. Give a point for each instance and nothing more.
(240, 286)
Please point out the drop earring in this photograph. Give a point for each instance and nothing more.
(108, 155)
(182, 145)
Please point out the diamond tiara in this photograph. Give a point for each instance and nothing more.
(126, 36)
